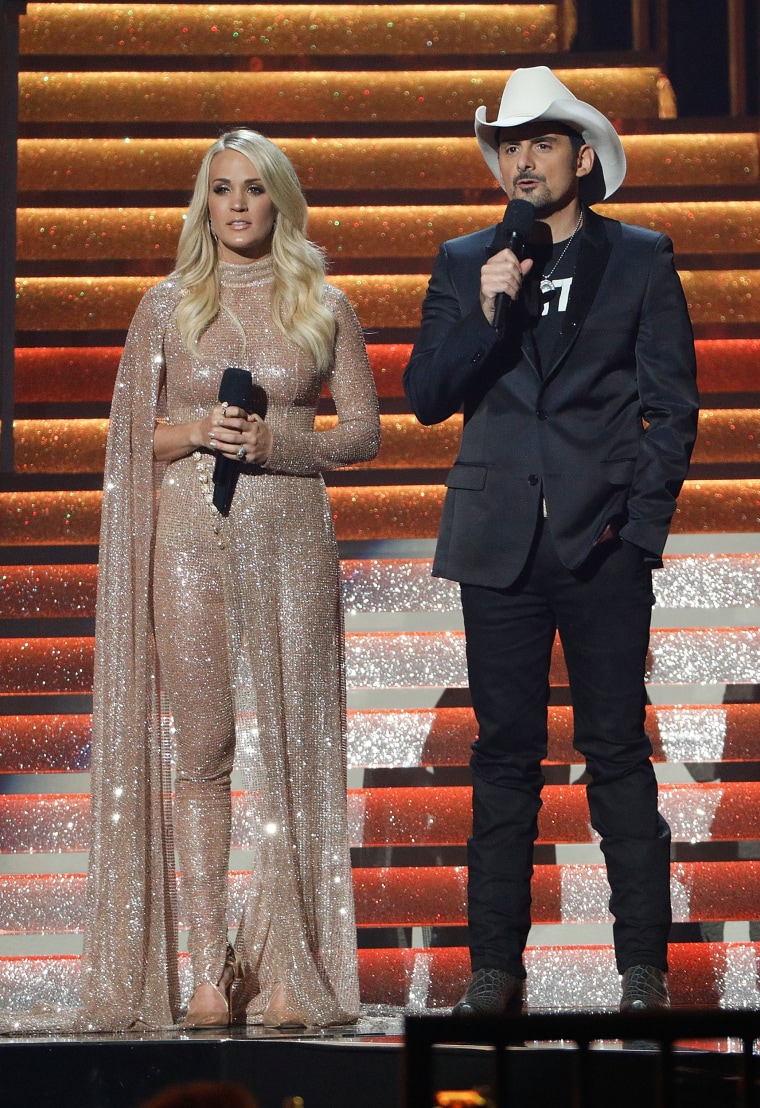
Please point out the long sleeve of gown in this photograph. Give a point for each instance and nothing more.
(356, 437)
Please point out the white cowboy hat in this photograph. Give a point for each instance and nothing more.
(535, 93)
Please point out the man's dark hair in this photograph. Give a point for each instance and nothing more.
(576, 138)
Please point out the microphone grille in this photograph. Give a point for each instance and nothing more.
(519, 217)
(236, 387)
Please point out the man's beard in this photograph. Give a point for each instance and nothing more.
(541, 198)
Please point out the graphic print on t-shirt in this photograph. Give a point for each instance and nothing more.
(558, 297)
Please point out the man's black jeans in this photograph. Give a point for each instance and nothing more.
(602, 613)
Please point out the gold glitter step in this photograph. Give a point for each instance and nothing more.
(264, 30)
(656, 161)
(59, 445)
(400, 231)
(78, 445)
(730, 296)
(320, 97)
(92, 303)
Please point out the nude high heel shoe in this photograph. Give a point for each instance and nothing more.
(280, 1013)
(211, 1005)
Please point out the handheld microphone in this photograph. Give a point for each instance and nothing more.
(512, 233)
(236, 388)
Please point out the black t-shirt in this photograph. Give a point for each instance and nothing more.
(547, 307)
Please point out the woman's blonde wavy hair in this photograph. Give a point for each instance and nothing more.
(298, 308)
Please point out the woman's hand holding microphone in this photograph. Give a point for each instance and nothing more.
(236, 434)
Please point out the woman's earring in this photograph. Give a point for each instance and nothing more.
(212, 232)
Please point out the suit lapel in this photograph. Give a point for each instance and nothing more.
(593, 254)
(529, 351)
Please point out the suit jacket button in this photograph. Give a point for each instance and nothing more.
(533, 479)
(542, 413)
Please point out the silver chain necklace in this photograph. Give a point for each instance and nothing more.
(547, 285)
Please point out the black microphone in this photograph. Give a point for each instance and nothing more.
(512, 233)
(236, 388)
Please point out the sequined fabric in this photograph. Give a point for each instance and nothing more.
(248, 627)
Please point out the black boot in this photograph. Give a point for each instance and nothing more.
(645, 988)
(491, 992)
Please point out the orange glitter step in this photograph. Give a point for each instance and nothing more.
(108, 164)
(320, 97)
(726, 435)
(364, 512)
(729, 732)
(400, 231)
(265, 30)
(564, 978)
(437, 895)
(433, 816)
(69, 374)
(427, 896)
(723, 297)
(59, 374)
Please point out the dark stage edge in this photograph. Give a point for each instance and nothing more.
(346, 1070)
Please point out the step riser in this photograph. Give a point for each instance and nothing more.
(704, 583)
(582, 977)
(106, 303)
(81, 374)
(92, 234)
(409, 660)
(359, 98)
(435, 816)
(78, 445)
(655, 162)
(423, 897)
(261, 30)
(365, 513)
(396, 739)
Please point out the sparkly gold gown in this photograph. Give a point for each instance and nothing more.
(222, 638)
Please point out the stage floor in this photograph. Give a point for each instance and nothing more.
(347, 1068)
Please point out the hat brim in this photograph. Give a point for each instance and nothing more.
(594, 127)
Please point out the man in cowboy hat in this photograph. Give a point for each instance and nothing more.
(580, 413)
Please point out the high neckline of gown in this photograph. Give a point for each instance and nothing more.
(233, 275)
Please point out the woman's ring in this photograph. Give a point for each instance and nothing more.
(241, 452)
(225, 406)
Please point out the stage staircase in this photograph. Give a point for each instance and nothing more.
(374, 104)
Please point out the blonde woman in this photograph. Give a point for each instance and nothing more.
(219, 637)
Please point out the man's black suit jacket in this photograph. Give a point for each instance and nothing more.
(604, 435)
